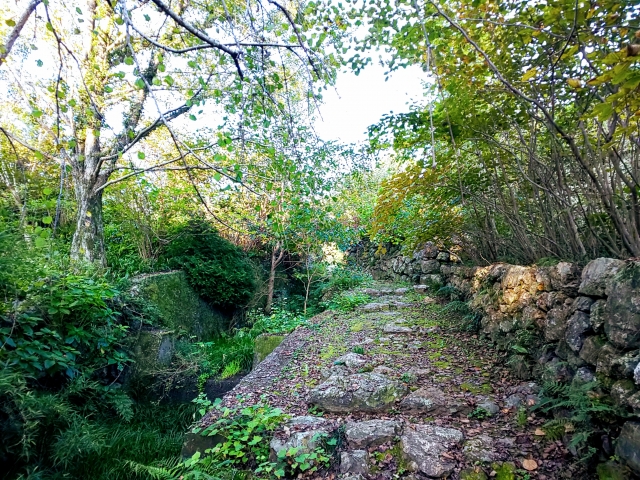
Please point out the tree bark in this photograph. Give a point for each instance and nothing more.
(276, 258)
(88, 238)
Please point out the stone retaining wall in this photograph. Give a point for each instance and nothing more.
(558, 323)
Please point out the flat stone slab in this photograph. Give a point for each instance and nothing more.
(371, 433)
(351, 360)
(480, 449)
(396, 328)
(361, 392)
(423, 447)
(374, 307)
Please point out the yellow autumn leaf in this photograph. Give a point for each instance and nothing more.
(529, 74)
(529, 464)
(574, 83)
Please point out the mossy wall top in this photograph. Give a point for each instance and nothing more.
(180, 308)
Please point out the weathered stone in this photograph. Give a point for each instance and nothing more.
(383, 370)
(420, 288)
(263, 345)
(583, 304)
(425, 400)
(612, 362)
(419, 372)
(339, 370)
(400, 291)
(597, 274)
(634, 402)
(489, 406)
(606, 358)
(363, 392)
(577, 327)
(611, 471)
(480, 449)
(556, 371)
(556, 324)
(394, 327)
(371, 433)
(443, 256)
(622, 322)
(565, 277)
(374, 307)
(597, 315)
(430, 250)
(303, 433)
(423, 447)
(583, 375)
(621, 391)
(513, 401)
(628, 445)
(430, 266)
(636, 374)
(351, 360)
(591, 349)
(433, 280)
(354, 462)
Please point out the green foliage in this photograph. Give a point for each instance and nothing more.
(244, 431)
(480, 413)
(281, 320)
(580, 411)
(449, 292)
(345, 278)
(457, 306)
(224, 356)
(216, 269)
(348, 301)
(521, 417)
(358, 349)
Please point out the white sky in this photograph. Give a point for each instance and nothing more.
(360, 101)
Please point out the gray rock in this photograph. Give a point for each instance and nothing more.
(354, 462)
(419, 372)
(382, 370)
(425, 400)
(303, 433)
(597, 315)
(430, 250)
(612, 362)
(565, 277)
(432, 279)
(334, 370)
(556, 371)
(372, 292)
(583, 375)
(489, 406)
(556, 324)
(394, 327)
(621, 391)
(622, 323)
(374, 307)
(597, 274)
(420, 288)
(634, 402)
(583, 304)
(480, 449)
(430, 266)
(351, 360)
(423, 447)
(591, 349)
(371, 433)
(443, 256)
(401, 291)
(513, 401)
(636, 374)
(628, 445)
(362, 392)
(577, 327)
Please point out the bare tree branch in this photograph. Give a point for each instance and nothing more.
(15, 33)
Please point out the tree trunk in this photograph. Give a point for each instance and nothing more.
(276, 258)
(88, 239)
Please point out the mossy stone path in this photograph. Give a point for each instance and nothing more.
(410, 395)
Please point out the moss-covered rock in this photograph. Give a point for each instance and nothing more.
(263, 345)
(178, 306)
(504, 471)
(473, 474)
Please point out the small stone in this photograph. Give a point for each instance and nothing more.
(577, 327)
(401, 291)
(420, 288)
(583, 304)
(636, 374)
(382, 370)
(480, 449)
(621, 391)
(395, 328)
(591, 349)
(354, 462)
(489, 406)
(371, 433)
(305, 437)
(425, 400)
(351, 360)
(583, 375)
(374, 307)
(513, 401)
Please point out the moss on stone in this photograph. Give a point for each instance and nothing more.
(472, 474)
(179, 306)
(611, 471)
(504, 471)
(263, 345)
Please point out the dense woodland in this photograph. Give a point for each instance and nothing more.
(146, 136)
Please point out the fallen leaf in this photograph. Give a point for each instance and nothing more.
(529, 464)
(539, 432)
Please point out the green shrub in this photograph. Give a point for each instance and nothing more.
(216, 269)
(280, 320)
(348, 301)
(345, 278)
(449, 292)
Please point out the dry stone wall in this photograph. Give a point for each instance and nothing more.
(557, 323)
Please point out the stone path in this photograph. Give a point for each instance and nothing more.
(408, 396)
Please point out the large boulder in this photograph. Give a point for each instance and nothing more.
(597, 274)
(371, 433)
(362, 392)
(628, 445)
(622, 323)
(263, 345)
(423, 447)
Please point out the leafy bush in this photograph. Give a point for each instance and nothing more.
(348, 301)
(280, 320)
(346, 278)
(450, 293)
(216, 269)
